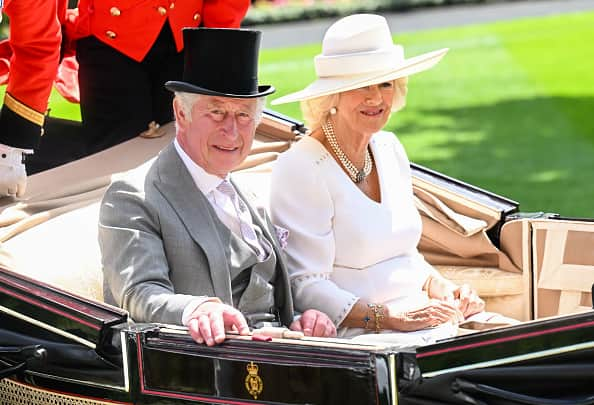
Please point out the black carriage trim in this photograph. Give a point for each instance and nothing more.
(535, 339)
(52, 308)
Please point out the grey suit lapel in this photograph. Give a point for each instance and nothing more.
(178, 188)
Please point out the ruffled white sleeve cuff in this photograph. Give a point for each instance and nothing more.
(316, 291)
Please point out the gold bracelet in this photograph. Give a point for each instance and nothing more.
(378, 316)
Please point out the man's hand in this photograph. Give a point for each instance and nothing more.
(314, 323)
(13, 176)
(209, 322)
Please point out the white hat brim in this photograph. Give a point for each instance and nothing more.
(324, 86)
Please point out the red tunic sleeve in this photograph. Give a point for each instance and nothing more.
(35, 37)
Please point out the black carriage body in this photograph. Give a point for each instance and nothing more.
(95, 354)
(540, 362)
(124, 362)
(242, 371)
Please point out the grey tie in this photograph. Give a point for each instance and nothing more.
(246, 226)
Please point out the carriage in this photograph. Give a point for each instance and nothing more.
(61, 344)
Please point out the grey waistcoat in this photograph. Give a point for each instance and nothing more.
(252, 282)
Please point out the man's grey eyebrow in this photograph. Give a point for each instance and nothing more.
(247, 109)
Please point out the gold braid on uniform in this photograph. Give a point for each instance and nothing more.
(23, 111)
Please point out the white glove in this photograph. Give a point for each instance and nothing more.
(13, 175)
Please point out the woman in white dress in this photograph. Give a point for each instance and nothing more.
(345, 195)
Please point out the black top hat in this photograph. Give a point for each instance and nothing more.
(221, 62)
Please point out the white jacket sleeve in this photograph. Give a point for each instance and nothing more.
(300, 202)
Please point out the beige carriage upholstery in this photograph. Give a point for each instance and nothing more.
(51, 235)
(563, 266)
(455, 241)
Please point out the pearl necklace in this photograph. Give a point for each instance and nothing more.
(355, 174)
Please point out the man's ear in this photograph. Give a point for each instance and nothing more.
(179, 113)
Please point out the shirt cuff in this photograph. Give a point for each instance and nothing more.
(193, 305)
(18, 131)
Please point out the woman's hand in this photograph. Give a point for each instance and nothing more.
(434, 313)
(469, 303)
(464, 297)
(440, 288)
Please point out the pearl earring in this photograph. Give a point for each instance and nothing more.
(333, 111)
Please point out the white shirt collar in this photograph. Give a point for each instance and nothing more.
(205, 182)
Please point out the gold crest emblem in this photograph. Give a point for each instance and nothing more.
(253, 383)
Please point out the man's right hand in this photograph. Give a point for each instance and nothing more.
(13, 175)
(209, 322)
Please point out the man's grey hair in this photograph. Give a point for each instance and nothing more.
(188, 100)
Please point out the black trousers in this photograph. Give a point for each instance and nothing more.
(119, 97)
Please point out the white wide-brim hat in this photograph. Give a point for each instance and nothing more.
(358, 51)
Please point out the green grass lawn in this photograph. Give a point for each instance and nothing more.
(510, 108)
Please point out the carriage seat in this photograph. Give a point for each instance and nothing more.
(62, 251)
(504, 292)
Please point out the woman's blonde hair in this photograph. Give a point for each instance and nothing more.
(316, 110)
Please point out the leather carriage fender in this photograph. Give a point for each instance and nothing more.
(25, 356)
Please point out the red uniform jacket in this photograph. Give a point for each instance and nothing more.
(132, 26)
(34, 42)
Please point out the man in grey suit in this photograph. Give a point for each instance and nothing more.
(180, 243)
